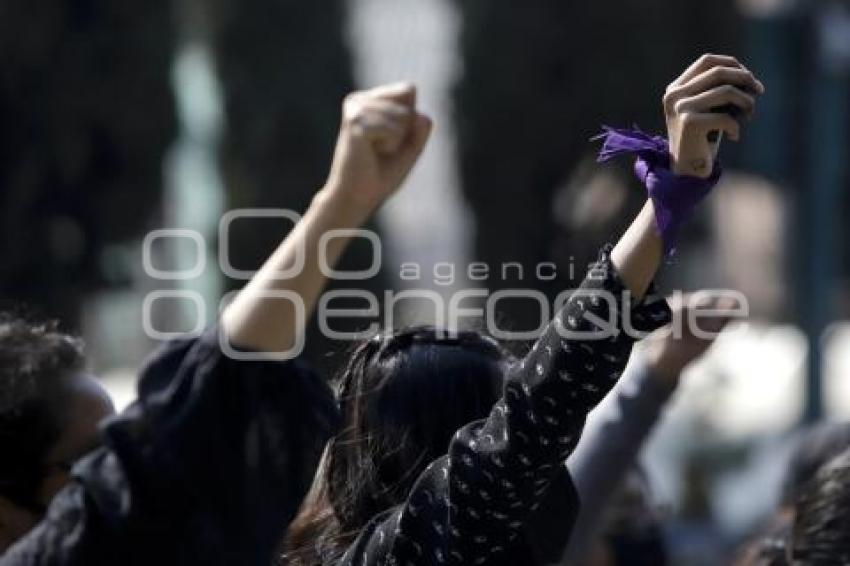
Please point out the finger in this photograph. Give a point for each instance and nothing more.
(709, 122)
(367, 121)
(387, 111)
(717, 97)
(718, 76)
(392, 110)
(418, 138)
(705, 63)
(389, 115)
(386, 134)
(402, 93)
(366, 113)
(361, 102)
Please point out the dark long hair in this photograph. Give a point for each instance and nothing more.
(402, 396)
(821, 531)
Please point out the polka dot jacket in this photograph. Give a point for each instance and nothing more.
(470, 506)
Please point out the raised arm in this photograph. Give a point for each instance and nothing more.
(380, 139)
(470, 506)
(198, 406)
(617, 428)
(692, 108)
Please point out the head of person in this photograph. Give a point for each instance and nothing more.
(821, 529)
(814, 447)
(402, 396)
(50, 409)
(631, 531)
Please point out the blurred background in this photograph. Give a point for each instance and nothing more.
(119, 118)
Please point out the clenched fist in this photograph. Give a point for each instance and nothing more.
(380, 139)
(709, 97)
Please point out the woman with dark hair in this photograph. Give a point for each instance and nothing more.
(424, 384)
(448, 447)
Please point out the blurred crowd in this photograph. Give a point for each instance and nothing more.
(228, 458)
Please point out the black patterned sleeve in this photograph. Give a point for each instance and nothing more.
(469, 506)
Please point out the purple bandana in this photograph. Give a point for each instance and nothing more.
(674, 196)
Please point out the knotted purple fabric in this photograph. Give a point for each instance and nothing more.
(674, 196)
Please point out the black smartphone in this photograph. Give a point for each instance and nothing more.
(735, 111)
(716, 136)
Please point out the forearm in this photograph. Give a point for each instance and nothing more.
(259, 318)
(380, 139)
(609, 447)
(638, 254)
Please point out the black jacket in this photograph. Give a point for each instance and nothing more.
(479, 503)
(207, 467)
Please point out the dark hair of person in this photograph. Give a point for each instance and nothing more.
(821, 531)
(35, 357)
(768, 546)
(814, 447)
(402, 396)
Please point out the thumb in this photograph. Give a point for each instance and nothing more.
(419, 134)
(403, 92)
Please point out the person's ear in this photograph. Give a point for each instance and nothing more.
(15, 522)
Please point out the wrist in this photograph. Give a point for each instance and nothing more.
(699, 168)
(346, 210)
(680, 163)
(676, 166)
(663, 170)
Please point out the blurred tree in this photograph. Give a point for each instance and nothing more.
(86, 114)
(284, 67)
(539, 78)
